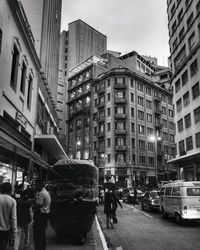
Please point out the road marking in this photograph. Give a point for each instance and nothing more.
(135, 209)
(103, 240)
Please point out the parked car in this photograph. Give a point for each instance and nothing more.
(150, 200)
(128, 196)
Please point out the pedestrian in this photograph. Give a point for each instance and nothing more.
(24, 218)
(116, 203)
(109, 205)
(41, 214)
(8, 219)
(135, 197)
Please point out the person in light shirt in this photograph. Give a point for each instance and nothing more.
(41, 214)
(8, 218)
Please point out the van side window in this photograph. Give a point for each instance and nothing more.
(168, 191)
(162, 191)
(176, 191)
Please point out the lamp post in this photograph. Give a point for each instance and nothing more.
(155, 138)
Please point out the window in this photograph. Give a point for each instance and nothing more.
(164, 122)
(140, 86)
(108, 111)
(179, 105)
(1, 35)
(133, 142)
(184, 78)
(148, 104)
(23, 78)
(132, 112)
(108, 83)
(165, 136)
(187, 2)
(132, 97)
(132, 127)
(164, 110)
(197, 115)
(14, 69)
(181, 147)
(197, 137)
(29, 95)
(173, 26)
(193, 68)
(176, 191)
(171, 138)
(149, 118)
(170, 100)
(132, 85)
(142, 160)
(180, 58)
(149, 131)
(168, 191)
(171, 113)
(108, 142)
(141, 144)
(171, 125)
(150, 160)
(190, 19)
(189, 143)
(191, 41)
(177, 85)
(150, 146)
(108, 126)
(140, 115)
(187, 121)
(180, 125)
(119, 80)
(175, 43)
(148, 90)
(173, 9)
(108, 96)
(198, 7)
(140, 101)
(163, 98)
(195, 91)
(186, 99)
(141, 129)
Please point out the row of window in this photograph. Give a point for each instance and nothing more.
(187, 120)
(79, 79)
(175, 6)
(188, 144)
(26, 80)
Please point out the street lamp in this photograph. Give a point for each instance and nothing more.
(155, 138)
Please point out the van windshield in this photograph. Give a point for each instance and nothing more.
(193, 191)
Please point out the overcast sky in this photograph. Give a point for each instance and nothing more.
(139, 25)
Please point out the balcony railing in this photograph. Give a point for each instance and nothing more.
(120, 116)
(157, 98)
(158, 110)
(120, 131)
(120, 100)
(101, 90)
(101, 104)
(119, 86)
(120, 147)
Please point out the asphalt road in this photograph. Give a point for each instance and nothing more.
(139, 230)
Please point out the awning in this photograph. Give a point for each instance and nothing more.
(52, 145)
(191, 156)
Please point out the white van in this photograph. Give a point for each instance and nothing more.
(180, 199)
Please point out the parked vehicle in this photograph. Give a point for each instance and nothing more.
(73, 187)
(150, 200)
(181, 199)
(128, 196)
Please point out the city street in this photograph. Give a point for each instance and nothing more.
(139, 230)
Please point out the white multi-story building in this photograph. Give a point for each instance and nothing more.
(184, 41)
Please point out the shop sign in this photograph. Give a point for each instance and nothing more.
(21, 119)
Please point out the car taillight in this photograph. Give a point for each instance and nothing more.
(185, 209)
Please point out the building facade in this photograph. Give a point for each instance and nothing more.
(113, 114)
(44, 17)
(28, 119)
(184, 32)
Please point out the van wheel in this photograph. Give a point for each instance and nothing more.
(178, 218)
(164, 214)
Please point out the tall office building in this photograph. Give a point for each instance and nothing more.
(184, 32)
(117, 116)
(44, 17)
(76, 45)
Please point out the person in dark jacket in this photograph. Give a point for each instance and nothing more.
(116, 203)
(24, 218)
(109, 205)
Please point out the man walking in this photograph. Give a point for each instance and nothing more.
(41, 214)
(8, 219)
